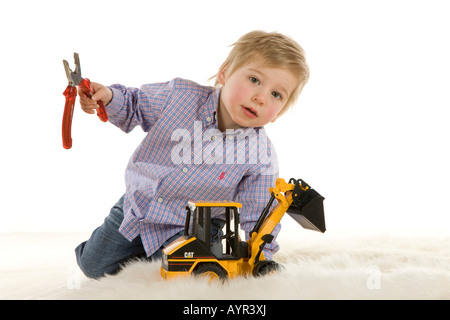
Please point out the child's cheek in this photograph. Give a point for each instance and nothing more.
(241, 93)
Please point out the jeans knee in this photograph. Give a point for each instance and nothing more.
(87, 266)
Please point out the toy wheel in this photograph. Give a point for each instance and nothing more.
(265, 267)
(210, 271)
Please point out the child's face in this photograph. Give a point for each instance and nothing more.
(254, 95)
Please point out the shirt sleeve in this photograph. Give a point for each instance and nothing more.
(253, 193)
(131, 107)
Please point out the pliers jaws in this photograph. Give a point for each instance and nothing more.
(74, 77)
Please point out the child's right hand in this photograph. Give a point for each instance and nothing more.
(88, 103)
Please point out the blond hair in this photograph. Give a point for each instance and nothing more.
(274, 50)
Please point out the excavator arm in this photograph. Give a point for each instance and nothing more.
(303, 204)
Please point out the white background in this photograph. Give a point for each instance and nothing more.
(370, 131)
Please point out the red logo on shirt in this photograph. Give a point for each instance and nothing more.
(222, 175)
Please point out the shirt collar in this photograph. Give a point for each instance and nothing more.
(209, 115)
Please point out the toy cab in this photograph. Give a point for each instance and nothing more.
(197, 253)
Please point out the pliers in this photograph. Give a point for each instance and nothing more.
(70, 93)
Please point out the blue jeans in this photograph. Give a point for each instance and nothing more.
(107, 249)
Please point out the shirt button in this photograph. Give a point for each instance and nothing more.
(208, 119)
(185, 170)
(213, 137)
(160, 199)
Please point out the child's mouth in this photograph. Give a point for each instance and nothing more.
(249, 112)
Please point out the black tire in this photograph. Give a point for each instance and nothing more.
(211, 271)
(264, 267)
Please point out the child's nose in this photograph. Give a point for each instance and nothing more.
(259, 98)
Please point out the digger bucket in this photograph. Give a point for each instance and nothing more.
(307, 207)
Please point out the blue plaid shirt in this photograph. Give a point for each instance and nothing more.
(185, 157)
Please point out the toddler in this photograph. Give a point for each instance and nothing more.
(202, 143)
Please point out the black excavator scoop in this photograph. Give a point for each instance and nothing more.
(307, 207)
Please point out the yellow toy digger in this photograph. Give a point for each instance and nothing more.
(195, 254)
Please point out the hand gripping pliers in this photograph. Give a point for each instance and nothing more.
(70, 93)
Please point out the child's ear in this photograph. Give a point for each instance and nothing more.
(221, 75)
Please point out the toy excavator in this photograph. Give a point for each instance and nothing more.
(195, 253)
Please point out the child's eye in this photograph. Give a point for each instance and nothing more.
(276, 95)
(254, 80)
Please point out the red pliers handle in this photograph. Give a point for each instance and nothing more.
(85, 85)
(70, 93)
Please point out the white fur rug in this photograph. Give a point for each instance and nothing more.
(316, 266)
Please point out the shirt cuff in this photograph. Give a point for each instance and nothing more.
(116, 103)
(268, 255)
